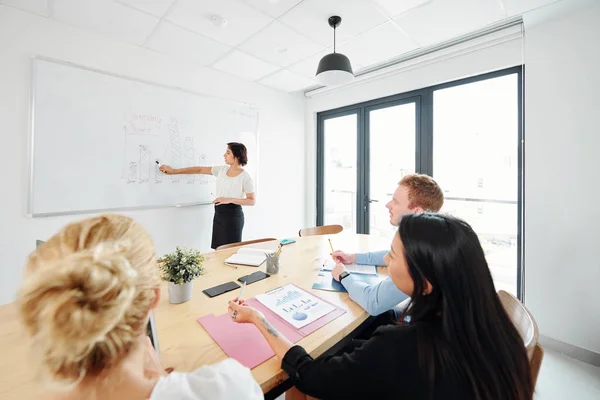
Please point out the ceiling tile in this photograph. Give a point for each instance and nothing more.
(310, 17)
(154, 7)
(308, 67)
(35, 6)
(396, 7)
(242, 21)
(377, 45)
(280, 45)
(245, 66)
(287, 81)
(172, 39)
(105, 17)
(439, 21)
(275, 8)
(518, 7)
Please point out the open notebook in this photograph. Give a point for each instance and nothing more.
(249, 256)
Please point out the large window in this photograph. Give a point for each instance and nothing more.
(466, 134)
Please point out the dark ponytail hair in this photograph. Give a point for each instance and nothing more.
(479, 344)
(239, 152)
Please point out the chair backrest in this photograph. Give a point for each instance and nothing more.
(321, 230)
(536, 362)
(527, 328)
(230, 245)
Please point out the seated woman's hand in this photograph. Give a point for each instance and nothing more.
(242, 312)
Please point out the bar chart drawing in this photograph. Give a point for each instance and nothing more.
(144, 164)
(175, 146)
(132, 172)
(188, 156)
(290, 296)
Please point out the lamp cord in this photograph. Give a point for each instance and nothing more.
(334, 39)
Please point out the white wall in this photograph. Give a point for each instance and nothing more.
(479, 61)
(281, 140)
(562, 174)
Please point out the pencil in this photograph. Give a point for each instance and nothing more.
(278, 251)
(234, 313)
(330, 245)
(241, 292)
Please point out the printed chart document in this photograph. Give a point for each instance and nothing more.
(329, 264)
(294, 305)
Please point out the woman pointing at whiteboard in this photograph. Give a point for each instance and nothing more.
(234, 190)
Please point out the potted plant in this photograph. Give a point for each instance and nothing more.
(180, 268)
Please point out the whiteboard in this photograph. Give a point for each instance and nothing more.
(96, 138)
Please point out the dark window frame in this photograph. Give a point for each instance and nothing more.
(423, 149)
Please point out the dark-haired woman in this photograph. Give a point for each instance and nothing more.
(459, 342)
(234, 190)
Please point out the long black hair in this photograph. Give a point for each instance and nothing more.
(478, 344)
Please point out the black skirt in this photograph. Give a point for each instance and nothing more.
(228, 224)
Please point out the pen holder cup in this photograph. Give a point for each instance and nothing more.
(272, 264)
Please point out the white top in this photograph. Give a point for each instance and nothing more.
(222, 381)
(235, 187)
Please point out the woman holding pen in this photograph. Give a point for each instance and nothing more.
(458, 343)
(234, 190)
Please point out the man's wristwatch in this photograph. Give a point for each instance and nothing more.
(343, 275)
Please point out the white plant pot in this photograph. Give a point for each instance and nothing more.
(180, 293)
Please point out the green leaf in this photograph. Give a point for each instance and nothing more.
(182, 266)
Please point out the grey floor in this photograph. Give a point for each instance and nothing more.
(564, 378)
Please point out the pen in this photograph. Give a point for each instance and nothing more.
(239, 299)
(330, 245)
(231, 265)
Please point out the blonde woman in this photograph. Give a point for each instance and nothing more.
(85, 301)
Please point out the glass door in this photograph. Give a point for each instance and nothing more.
(392, 136)
(476, 162)
(339, 170)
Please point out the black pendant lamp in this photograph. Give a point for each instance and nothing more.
(334, 69)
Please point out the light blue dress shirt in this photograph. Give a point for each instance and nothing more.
(375, 299)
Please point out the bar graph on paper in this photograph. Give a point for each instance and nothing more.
(291, 295)
(295, 306)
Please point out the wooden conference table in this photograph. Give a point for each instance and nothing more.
(183, 343)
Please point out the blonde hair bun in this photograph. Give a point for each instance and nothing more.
(79, 308)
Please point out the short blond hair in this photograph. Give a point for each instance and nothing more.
(86, 295)
(423, 192)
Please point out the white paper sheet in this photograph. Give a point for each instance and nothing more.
(294, 305)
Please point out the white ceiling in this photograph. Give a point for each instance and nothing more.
(279, 43)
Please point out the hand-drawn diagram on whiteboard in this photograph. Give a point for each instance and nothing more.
(147, 140)
(100, 152)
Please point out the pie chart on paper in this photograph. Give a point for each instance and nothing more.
(299, 316)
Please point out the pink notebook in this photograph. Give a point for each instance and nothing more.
(244, 342)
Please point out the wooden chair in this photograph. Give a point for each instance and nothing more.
(230, 245)
(527, 328)
(321, 230)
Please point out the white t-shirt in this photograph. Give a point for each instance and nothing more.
(235, 187)
(222, 381)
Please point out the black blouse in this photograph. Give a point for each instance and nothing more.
(384, 367)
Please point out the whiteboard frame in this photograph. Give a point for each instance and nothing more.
(31, 136)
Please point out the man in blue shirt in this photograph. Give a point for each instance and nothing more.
(415, 193)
